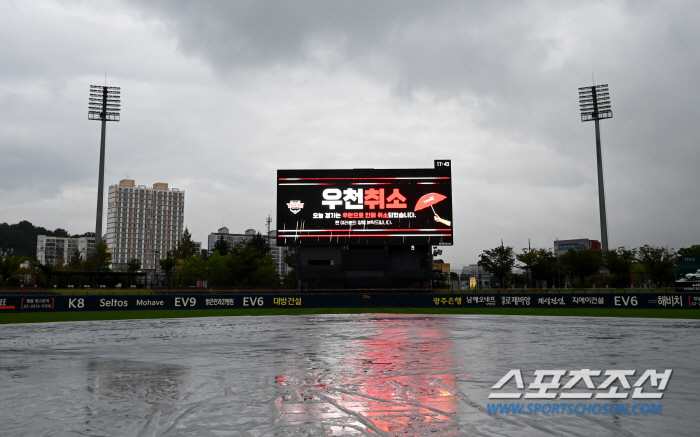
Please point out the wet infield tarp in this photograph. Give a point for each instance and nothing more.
(331, 375)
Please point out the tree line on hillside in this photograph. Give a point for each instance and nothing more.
(21, 237)
(249, 263)
(245, 264)
(12, 272)
(584, 267)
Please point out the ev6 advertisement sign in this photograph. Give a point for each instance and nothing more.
(365, 206)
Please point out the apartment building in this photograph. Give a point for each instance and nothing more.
(143, 223)
(61, 250)
(231, 239)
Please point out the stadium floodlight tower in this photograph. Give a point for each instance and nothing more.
(594, 102)
(104, 106)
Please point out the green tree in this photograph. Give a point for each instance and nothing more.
(76, 262)
(243, 261)
(10, 265)
(219, 273)
(261, 244)
(658, 262)
(620, 261)
(99, 261)
(222, 246)
(693, 250)
(44, 271)
(60, 232)
(167, 265)
(290, 279)
(582, 263)
(21, 237)
(192, 269)
(185, 247)
(498, 261)
(637, 274)
(265, 274)
(134, 265)
(541, 263)
(60, 262)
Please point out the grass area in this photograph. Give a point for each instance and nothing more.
(115, 291)
(44, 317)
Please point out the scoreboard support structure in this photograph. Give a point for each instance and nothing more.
(355, 267)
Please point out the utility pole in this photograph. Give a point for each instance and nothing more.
(268, 220)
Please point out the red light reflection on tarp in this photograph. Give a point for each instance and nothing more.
(396, 382)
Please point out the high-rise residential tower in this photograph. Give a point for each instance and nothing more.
(143, 223)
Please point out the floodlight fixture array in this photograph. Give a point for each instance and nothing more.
(105, 103)
(594, 102)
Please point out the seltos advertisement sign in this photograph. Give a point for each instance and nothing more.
(365, 206)
(58, 303)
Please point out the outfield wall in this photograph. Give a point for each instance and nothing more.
(35, 303)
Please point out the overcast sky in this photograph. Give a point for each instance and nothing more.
(216, 96)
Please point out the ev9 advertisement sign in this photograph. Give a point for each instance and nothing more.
(365, 206)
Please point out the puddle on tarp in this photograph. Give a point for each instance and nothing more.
(327, 375)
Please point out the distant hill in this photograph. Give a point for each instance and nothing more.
(21, 237)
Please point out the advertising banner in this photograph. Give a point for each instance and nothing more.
(365, 206)
(688, 286)
(345, 300)
(687, 273)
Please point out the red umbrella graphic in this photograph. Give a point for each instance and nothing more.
(429, 200)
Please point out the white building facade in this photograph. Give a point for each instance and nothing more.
(277, 254)
(143, 223)
(61, 250)
(231, 239)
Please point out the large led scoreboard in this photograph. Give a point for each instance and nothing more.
(350, 207)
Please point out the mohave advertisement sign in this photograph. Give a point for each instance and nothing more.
(346, 300)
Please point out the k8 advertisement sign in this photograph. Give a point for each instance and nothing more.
(365, 206)
(57, 303)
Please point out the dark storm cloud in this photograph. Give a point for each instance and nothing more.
(218, 95)
(519, 64)
(272, 32)
(516, 65)
(491, 49)
(478, 46)
(514, 61)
